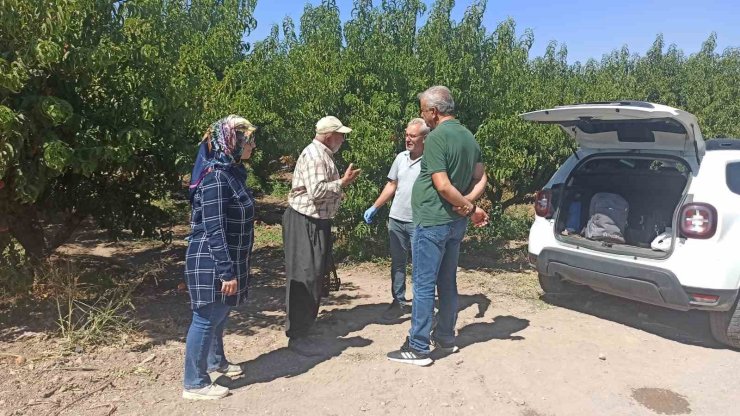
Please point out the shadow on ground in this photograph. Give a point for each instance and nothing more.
(691, 328)
(501, 327)
(165, 314)
(332, 338)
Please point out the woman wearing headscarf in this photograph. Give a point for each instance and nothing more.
(217, 257)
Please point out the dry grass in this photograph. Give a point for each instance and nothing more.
(90, 314)
(268, 236)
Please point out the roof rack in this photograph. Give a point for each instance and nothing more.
(723, 144)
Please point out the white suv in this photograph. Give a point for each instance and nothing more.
(680, 245)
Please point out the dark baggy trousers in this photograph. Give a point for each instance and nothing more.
(307, 245)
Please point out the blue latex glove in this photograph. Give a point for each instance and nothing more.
(369, 214)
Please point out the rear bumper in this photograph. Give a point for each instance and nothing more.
(638, 282)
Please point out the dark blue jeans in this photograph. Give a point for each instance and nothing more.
(400, 234)
(204, 346)
(435, 251)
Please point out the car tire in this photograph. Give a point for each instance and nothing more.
(555, 285)
(725, 326)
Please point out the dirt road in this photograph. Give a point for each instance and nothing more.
(520, 355)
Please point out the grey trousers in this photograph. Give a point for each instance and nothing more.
(399, 234)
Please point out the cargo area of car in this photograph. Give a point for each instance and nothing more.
(653, 187)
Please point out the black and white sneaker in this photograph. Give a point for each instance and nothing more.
(407, 355)
(446, 348)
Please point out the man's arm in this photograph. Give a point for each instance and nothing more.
(445, 188)
(478, 183)
(461, 204)
(388, 191)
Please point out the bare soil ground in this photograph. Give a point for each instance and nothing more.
(521, 353)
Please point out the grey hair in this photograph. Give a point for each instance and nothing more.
(439, 97)
(424, 129)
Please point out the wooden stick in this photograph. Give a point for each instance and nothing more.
(111, 408)
(100, 388)
(78, 368)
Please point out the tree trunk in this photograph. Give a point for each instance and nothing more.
(70, 224)
(26, 226)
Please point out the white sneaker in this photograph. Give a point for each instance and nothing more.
(212, 392)
(231, 370)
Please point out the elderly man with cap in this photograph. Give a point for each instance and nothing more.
(313, 201)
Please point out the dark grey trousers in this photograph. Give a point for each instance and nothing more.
(307, 244)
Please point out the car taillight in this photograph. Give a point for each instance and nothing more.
(698, 220)
(702, 299)
(543, 203)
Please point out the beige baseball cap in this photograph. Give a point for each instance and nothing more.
(330, 124)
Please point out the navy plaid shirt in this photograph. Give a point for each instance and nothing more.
(220, 244)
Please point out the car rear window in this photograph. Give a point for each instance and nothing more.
(631, 131)
(733, 177)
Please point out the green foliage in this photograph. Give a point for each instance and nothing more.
(371, 79)
(57, 155)
(15, 274)
(279, 188)
(102, 103)
(511, 224)
(56, 110)
(267, 236)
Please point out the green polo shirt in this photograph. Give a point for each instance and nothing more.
(450, 148)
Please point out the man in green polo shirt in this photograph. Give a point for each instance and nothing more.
(452, 177)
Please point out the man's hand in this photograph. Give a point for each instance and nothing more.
(464, 211)
(350, 175)
(369, 214)
(479, 218)
(229, 288)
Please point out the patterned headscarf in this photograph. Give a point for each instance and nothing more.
(221, 147)
(227, 138)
